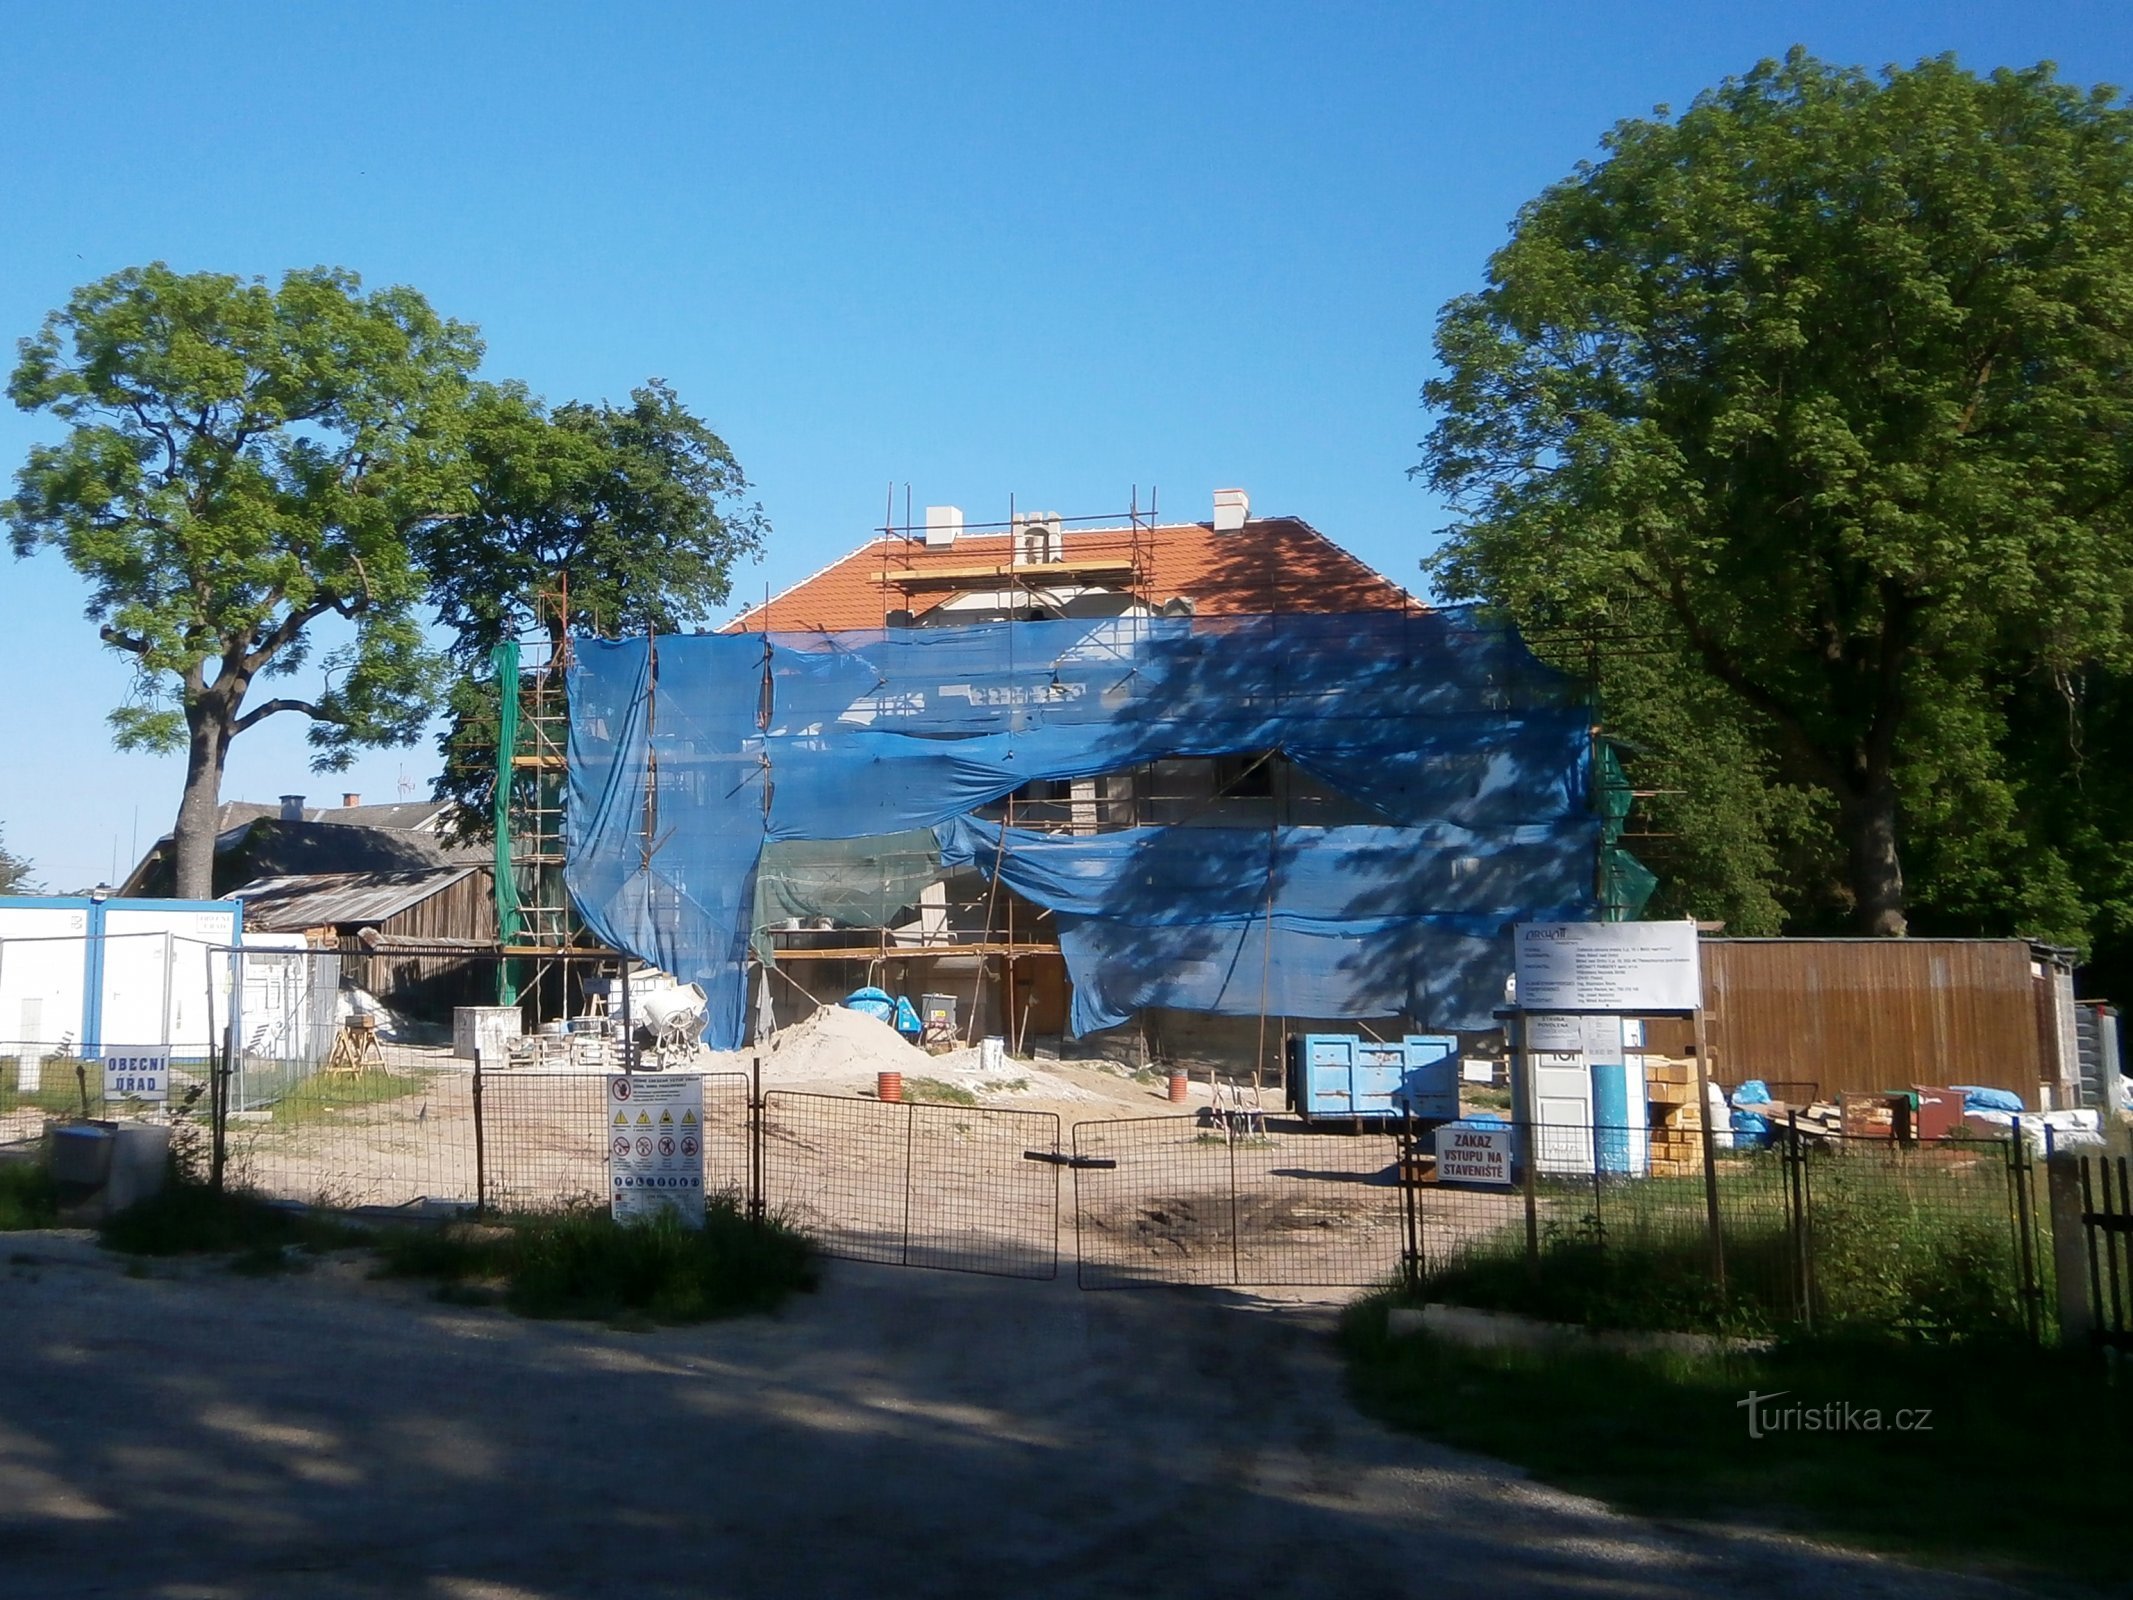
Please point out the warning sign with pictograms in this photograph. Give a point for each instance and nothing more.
(650, 1171)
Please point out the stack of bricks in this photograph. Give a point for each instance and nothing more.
(1676, 1117)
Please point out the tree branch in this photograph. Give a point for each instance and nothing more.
(123, 641)
(268, 708)
(291, 625)
(1722, 666)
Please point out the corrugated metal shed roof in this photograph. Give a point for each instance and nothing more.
(322, 899)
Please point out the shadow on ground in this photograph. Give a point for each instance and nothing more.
(204, 1437)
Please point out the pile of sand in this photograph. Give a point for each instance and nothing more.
(836, 1047)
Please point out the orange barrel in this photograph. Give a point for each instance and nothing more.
(1178, 1081)
(888, 1086)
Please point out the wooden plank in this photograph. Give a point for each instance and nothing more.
(909, 952)
(934, 577)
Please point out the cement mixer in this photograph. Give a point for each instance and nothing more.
(667, 1014)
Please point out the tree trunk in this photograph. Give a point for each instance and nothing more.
(193, 841)
(1876, 868)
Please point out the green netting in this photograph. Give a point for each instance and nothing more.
(1626, 884)
(854, 883)
(504, 659)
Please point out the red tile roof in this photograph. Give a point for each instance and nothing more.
(1273, 564)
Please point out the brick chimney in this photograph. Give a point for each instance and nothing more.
(351, 799)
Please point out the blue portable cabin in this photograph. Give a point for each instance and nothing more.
(1347, 1077)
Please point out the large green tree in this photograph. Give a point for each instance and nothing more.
(1818, 400)
(581, 519)
(242, 464)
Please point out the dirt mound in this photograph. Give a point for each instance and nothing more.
(846, 1049)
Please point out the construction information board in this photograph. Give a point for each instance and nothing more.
(655, 1145)
(138, 1075)
(1474, 1155)
(1606, 966)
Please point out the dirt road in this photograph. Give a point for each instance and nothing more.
(206, 1437)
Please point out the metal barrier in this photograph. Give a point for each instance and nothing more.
(2106, 1218)
(915, 1184)
(1179, 1200)
(305, 1099)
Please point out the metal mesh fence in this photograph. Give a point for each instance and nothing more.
(395, 1133)
(1939, 1239)
(39, 1081)
(951, 1187)
(544, 1138)
(1179, 1200)
(347, 1102)
(1933, 1237)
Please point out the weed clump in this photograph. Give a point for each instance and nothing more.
(583, 1264)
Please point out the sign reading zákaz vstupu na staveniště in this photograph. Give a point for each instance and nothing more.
(1606, 966)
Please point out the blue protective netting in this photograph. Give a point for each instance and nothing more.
(688, 754)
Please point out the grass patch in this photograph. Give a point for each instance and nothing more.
(28, 1198)
(320, 1096)
(191, 1219)
(58, 1093)
(936, 1091)
(2018, 1473)
(1480, 1097)
(584, 1264)
(1922, 1249)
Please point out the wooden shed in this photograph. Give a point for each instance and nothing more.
(442, 919)
(1865, 1014)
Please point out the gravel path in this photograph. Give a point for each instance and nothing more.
(204, 1437)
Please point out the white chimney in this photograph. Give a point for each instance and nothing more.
(943, 523)
(292, 808)
(1232, 507)
(1039, 538)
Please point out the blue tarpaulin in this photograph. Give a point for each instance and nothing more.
(689, 754)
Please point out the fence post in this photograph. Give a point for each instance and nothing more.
(755, 1139)
(481, 1158)
(2070, 1250)
(1710, 1154)
(1599, 1219)
(1410, 1200)
(1524, 1141)
(1796, 1220)
(910, 1139)
(220, 1068)
(1236, 1255)
(2025, 1208)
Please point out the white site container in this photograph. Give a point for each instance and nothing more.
(158, 973)
(43, 968)
(479, 1032)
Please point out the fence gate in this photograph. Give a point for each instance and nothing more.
(960, 1188)
(2107, 1227)
(1169, 1200)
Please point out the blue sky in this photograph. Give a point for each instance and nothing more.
(988, 250)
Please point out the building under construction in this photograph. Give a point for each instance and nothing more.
(1158, 789)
